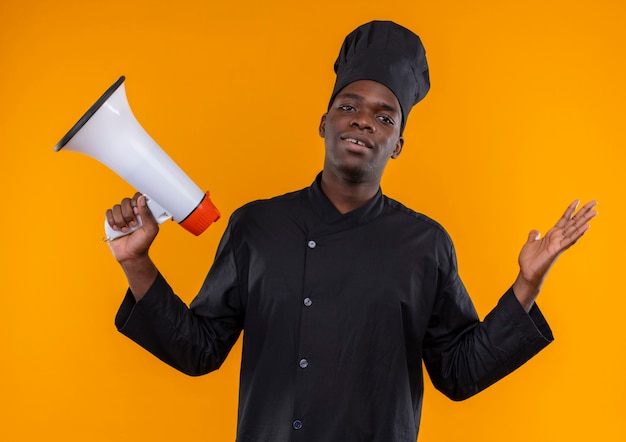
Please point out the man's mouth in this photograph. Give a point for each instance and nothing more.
(355, 141)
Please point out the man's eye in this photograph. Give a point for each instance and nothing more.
(346, 107)
(386, 120)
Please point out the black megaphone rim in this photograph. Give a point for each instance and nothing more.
(90, 113)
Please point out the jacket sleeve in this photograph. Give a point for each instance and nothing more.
(193, 340)
(464, 355)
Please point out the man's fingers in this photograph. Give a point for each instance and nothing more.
(578, 224)
(586, 212)
(580, 218)
(584, 215)
(110, 220)
(122, 216)
(567, 215)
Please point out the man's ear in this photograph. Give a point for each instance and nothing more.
(322, 128)
(398, 148)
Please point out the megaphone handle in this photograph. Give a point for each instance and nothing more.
(159, 213)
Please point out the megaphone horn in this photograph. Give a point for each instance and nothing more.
(110, 133)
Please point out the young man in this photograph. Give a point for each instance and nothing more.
(342, 292)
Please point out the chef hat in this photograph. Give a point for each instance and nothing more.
(388, 53)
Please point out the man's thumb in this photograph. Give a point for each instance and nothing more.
(534, 235)
(147, 218)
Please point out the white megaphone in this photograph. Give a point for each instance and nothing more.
(110, 133)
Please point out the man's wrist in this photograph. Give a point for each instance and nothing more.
(141, 274)
(526, 292)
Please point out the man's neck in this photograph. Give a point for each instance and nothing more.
(347, 195)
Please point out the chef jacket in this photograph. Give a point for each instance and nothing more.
(338, 313)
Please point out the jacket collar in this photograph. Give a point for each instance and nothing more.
(330, 215)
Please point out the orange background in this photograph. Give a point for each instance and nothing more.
(525, 114)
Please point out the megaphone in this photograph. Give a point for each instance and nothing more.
(110, 133)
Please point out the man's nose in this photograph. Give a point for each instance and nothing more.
(363, 120)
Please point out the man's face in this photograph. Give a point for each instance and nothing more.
(361, 131)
